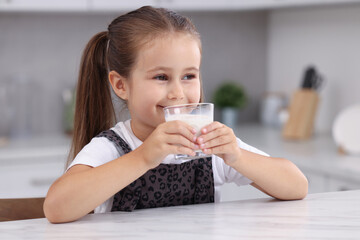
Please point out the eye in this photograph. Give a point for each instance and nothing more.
(189, 76)
(161, 77)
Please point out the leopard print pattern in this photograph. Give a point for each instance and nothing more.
(191, 182)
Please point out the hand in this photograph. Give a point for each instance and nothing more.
(173, 137)
(216, 138)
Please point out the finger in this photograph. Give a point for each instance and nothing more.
(180, 127)
(178, 149)
(176, 139)
(218, 149)
(211, 127)
(218, 141)
(211, 135)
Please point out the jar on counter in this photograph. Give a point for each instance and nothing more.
(273, 109)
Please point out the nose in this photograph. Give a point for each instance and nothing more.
(176, 91)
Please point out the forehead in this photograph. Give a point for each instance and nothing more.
(174, 51)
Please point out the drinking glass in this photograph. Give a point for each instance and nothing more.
(197, 115)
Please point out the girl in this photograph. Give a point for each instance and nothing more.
(151, 58)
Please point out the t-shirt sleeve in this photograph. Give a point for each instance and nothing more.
(231, 175)
(98, 152)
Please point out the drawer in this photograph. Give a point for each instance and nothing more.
(335, 184)
(28, 180)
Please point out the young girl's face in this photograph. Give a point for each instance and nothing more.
(166, 73)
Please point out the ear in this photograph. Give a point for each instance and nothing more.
(119, 84)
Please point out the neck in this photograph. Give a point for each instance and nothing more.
(141, 131)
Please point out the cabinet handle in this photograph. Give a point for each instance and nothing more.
(40, 182)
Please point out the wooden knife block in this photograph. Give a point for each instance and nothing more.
(302, 111)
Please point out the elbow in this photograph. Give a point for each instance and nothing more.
(301, 189)
(298, 192)
(304, 188)
(51, 210)
(55, 211)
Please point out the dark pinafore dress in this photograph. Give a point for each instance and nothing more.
(191, 182)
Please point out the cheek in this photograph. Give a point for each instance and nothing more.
(148, 95)
(194, 92)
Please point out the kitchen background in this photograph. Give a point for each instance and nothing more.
(266, 48)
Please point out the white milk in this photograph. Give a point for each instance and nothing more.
(196, 121)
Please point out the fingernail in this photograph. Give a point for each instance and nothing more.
(194, 139)
(196, 146)
(204, 130)
(202, 145)
(193, 130)
(200, 140)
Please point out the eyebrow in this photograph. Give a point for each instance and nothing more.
(167, 69)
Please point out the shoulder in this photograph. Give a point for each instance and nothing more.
(98, 151)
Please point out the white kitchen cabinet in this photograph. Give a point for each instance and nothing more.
(179, 5)
(233, 192)
(317, 182)
(29, 178)
(43, 5)
(114, 5)
(29, 166)
(325, 168)
(335, 184)
(207, 5)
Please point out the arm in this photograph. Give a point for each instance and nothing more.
(277, 177)
(82, 188)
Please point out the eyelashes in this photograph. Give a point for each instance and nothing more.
(161, 77)
(189, 76)
(164, 77)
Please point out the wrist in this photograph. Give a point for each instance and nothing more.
(235, 159)
(143, 158)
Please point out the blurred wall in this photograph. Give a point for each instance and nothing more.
(327, 37)
(45, 50)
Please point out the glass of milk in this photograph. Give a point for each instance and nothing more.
(197, 115)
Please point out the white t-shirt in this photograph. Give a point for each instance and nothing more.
(101, 150)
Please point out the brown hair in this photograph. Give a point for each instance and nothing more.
(116, 49)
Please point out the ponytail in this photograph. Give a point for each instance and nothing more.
(94, 111)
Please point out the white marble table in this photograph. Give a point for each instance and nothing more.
(320, 216)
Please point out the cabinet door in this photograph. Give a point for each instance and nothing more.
(232, 192)
(115, 5)
(43, 5)
(317, 182)
(342, 185)
(30, 179)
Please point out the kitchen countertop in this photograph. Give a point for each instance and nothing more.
(34, 148)
(318, 154)
(334, 215)
(31, 165)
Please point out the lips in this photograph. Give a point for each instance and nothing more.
(171, 105)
